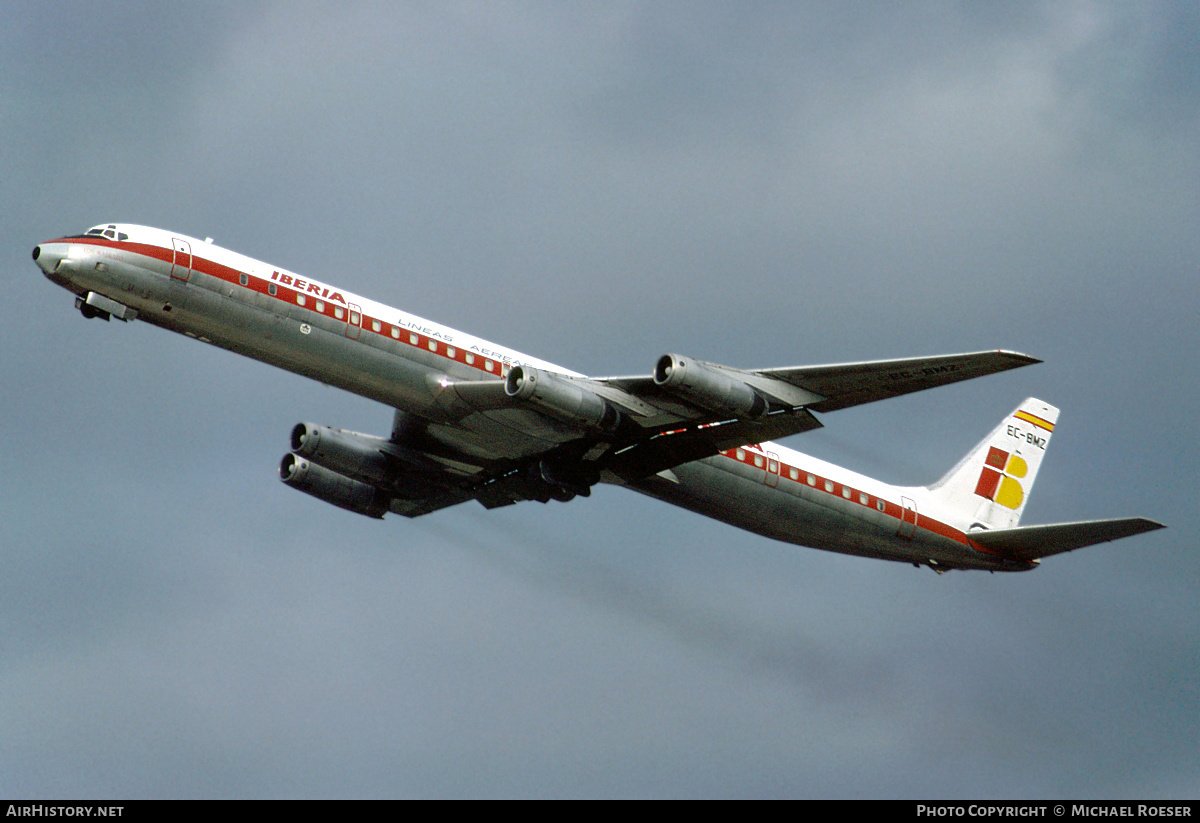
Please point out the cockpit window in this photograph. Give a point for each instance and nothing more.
(109, 231)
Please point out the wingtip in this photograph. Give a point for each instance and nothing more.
(1141, 525)
(1023, 359)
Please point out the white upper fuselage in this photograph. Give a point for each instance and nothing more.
(143, 246)
(325, 332)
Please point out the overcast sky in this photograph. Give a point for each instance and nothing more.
(757, 184)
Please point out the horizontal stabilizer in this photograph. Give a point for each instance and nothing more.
(1032, 542)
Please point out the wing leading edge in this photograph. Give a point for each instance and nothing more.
(852, 384)
(826, 388)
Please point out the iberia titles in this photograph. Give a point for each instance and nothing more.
(300, 284)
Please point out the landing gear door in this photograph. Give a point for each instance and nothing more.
(181, 262)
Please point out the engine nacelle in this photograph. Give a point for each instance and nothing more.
(708, 387)
(338, 489)
(562, 397)
(358, 456)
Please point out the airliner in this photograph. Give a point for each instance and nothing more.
(474, 420)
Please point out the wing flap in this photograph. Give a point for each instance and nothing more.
(1031, 542)
(673, 448)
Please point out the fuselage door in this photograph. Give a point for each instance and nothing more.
(772, 469)
(908, 517)
(353, 321)
(181, 262)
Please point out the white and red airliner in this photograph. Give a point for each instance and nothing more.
(477, 421)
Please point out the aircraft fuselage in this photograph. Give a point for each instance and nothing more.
(411, 364)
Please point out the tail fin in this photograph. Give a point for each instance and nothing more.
(989, 487)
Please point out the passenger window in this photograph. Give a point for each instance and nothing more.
(375, 325)
(794, 474)
(338, 312)
(450, 351)
(879, 504)
(354, 317)
(741, 455)
(812, 479)
(470, 358)
(271, 289)
(300, 300)
(829, 485)
(847, 493)
(433, 345)
(488, 364)
(321, 306)
(395, 332)
(758, 461)
(412, 338)
(244, 279)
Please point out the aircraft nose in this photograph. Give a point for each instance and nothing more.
(46, 259)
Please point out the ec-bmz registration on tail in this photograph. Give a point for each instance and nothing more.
(474, 420)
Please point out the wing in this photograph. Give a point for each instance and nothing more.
(852, 384)
(1032, 542)
(543, 435)
(730, 407)
(838, 386)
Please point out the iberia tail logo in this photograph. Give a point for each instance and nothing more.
(1000, 480)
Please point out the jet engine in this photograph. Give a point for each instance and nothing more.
(561, 396)
(359, 456)
(708, 386)
(374, 461)
(332, 487)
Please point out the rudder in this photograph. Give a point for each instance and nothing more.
(990, 486)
